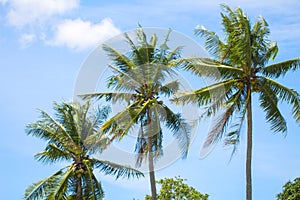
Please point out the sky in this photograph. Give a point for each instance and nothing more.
(43, 45)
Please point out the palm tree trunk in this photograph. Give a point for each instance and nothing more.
(79, 190)
(249, 151)
(150, 158)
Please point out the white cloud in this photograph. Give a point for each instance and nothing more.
(81, 35)
(24, 12)
(26, 39)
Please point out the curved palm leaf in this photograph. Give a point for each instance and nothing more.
(116, 170)
(40, 189)
(280, 69)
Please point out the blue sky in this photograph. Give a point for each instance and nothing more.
(43, 45)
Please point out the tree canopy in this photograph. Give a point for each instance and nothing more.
(67, 135)
(176, 189)
(239, 64)
(291, 190)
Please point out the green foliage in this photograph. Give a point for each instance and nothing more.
(240, 67)
(176, 189)
(144, 78)
(68, 135)
(291, 191)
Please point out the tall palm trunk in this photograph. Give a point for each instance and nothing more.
(79, 190)
(150, 158)
(249, 149)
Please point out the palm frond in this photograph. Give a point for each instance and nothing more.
(164, 46)
(59, 190)
(67, 114)
(178, 126)
(123, 62)
(285, 94)
(41, 189)
(150, 134)
(158, 73)
(233, 137)
(134, 48)
(280, 69)
(205, 95)
(126, 81)
(122, 122)
(217, 130)
(52, 154)
(225, 119)
(231, 95)
(114, 97)
(262, 48)
(209, 68)
(212, 41)
(238, 37)
(173, 55)
(269, 103)
(141, 148)
(49, 129)
(93, 189)
(169, 88)
(116, 170)
(97, 142)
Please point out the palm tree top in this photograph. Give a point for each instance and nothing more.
(239, 65)
(71, 136)
(143, 77)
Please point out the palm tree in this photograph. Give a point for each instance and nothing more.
(239, 65)
(67, 134)
(141, 79)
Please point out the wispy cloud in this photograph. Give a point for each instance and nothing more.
(26, 40)
(24, 12)
(81, 35)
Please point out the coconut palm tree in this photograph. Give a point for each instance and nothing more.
(67, 134)
(143, 78)
(239, 65)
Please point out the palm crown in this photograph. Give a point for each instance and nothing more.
(142, 78)
(67, 135)
(240, 67)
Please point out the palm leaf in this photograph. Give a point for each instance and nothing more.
(178, 126)
(208, 68)
(212, 41)
(269, 102)
(60, 188)
(40, 189)
(51, 129)
(114, 97)
(93, 189)
(216, 131)
(280, 69)
(205, 95)
(122, 61)
(285, 94)
(124, 120)
(52, 154)
(169, 88)
(116, 170)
